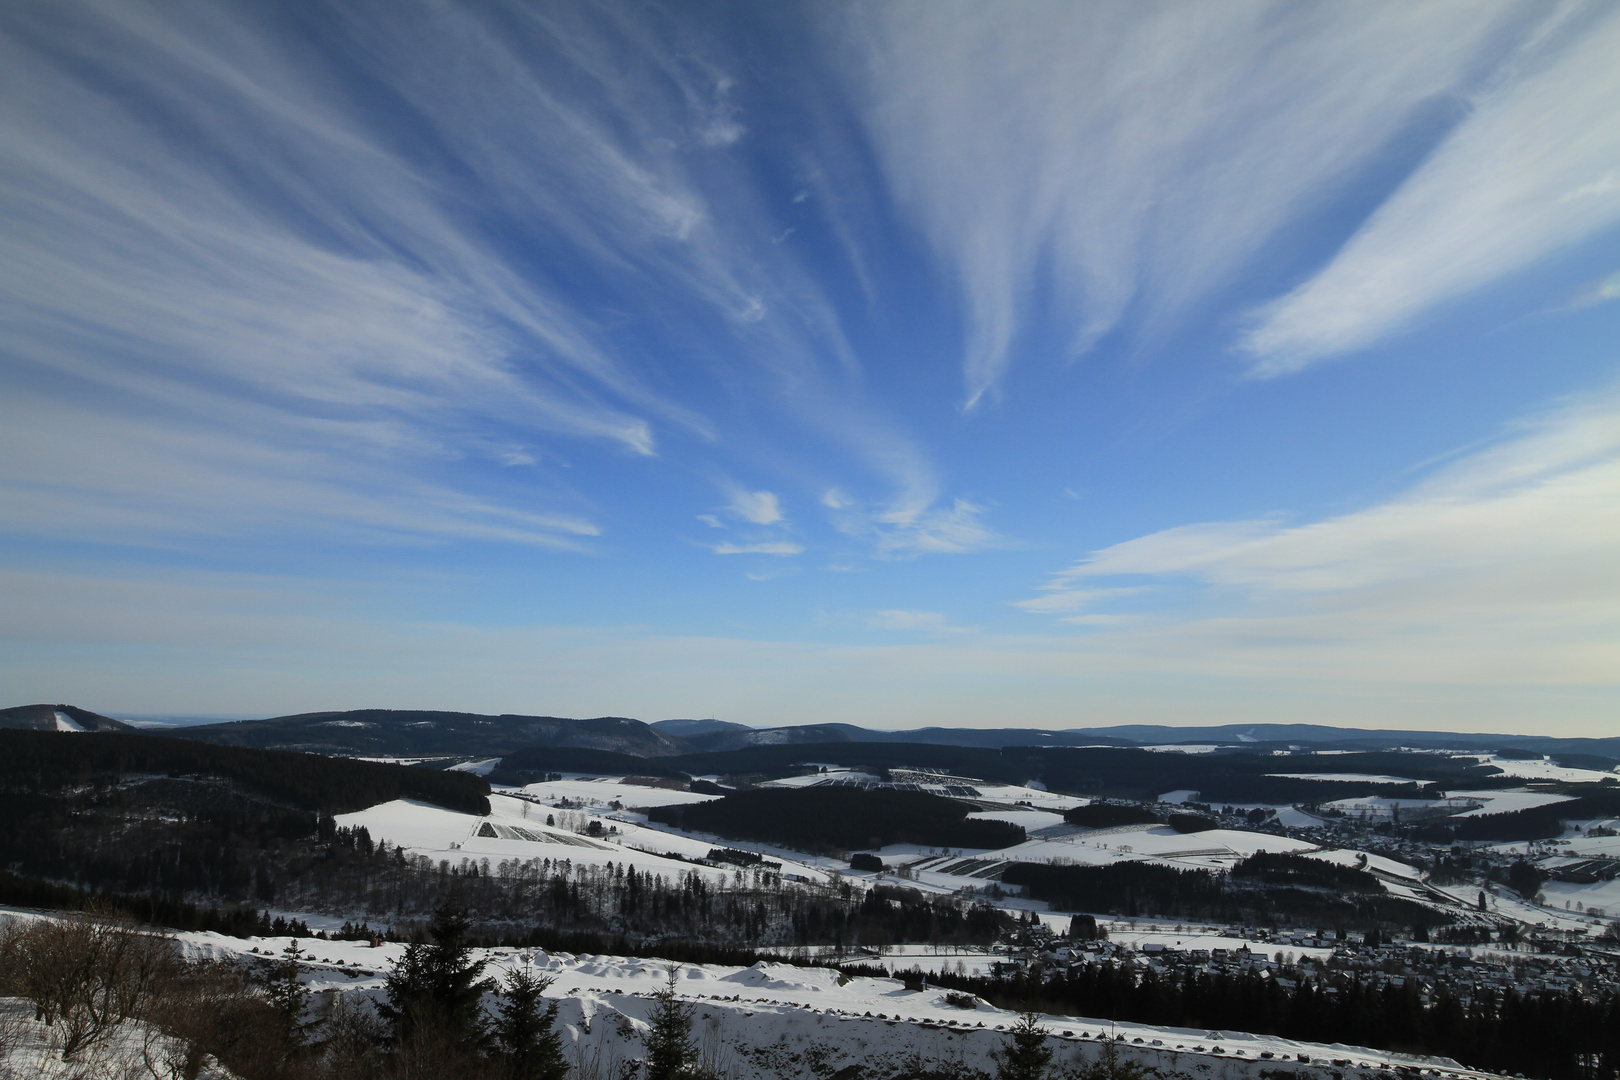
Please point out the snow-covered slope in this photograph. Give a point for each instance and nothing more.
(773, 1020)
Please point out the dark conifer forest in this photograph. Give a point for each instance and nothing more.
(841, 819)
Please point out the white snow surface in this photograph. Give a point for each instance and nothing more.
(765, 1020)
(1366, 861)
(1038, 798)
(1357, 778)
(64, 722)
(522, 834)
(1543, 769)
(31, 1049)
(1211, 850)
(1604, 896)
(1503, 802)
(1031, 820)
(605, 790)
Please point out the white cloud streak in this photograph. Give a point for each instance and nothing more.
(1500, 567)
(769, 547)
(247, 244)
(908, 531)
(758, 507)
(897, 619)
(1131, 157)
(1534, 167)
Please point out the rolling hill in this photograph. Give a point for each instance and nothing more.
(412, 733)
(57, 718)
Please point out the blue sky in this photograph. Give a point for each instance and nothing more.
(891, 363)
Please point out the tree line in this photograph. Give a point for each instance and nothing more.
(1260, 890)
(840, 819)
(1553, 1035)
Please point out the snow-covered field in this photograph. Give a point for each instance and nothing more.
(1031, 820)
(1581, 844)
(1505, 802)
(1285, 813)
(521, 833)
(1542, 769)
(1349, 778)
(1455, 804)
(1037, 798)
(1212, 850)
(1362, 860)
(1379, 807)
(604, 791)
(1603, 896)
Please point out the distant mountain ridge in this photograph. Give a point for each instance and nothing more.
(416, 732)
(1325, 737)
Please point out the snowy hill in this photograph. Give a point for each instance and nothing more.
(58, 718)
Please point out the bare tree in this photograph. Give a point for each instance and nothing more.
(85, 975)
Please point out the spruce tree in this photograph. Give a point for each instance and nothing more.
(436, 984)
(527, 1031)
(1025, 1056)
(284, 992)
(671, 1052)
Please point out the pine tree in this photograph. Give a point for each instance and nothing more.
(1026, 1056)
(671, 1052)
(526, 1031)
(285, 993)
(436, 984)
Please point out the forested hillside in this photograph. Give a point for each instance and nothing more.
(840, 819)
(414, 732)
(46, 718)
(537, 762)
(1262, 890)
(45, 764)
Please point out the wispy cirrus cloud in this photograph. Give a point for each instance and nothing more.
(337, 239)
(1500, 566)
(1128, 158)
(763, 547)
(915, 529)
(1605, 291)
(897, 619)
(1534, 167)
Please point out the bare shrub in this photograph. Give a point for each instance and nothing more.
(716, 1058)
(591, 1065)
(215, 1008)
(11, 959)
(85, 975)
(13, 1030)
(353, 1036)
